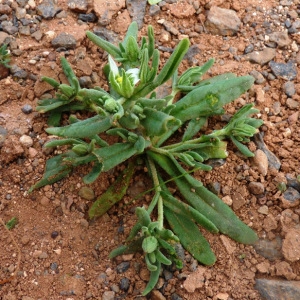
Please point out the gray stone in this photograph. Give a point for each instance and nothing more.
(287, 71)
(18, 72)
(27, 109)
(3, 37)
(222, 21)
(154, 10)
(79, 6)
(3, 135)
(293, 182)
(64, 40)
(137, 9)
(106, 34)
(249, 49)
(10, 29)
(289, 88)
(278, 289)
(269, 249)
(20, 12)
(291, 195)
(5, 9)
(280, 38)
(259, 78)
(47, 9)
(108, 295)
(291, 103)
(124, 284)
(90, 17)
(123, 267)
(274, 162)
(261, 57)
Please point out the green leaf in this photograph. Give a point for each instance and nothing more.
(242, 148)
(94, 174)
(193, 128)
(56, 169)
(172, 63)
(154, 276)
(133, 247)
(105, 45)
(11, 223)
(157, 123)
(190, 237)
(113, 194)
(209, 99)
(132, 31)
(83, 129)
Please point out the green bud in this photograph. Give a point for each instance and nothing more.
(66, 90)
(110, 105)
(80, 149)
(149, 244)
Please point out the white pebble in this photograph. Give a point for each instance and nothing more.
(26, 140)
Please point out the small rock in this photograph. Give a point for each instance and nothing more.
(273, 161)
(64, 40)
(287, 71)
(230, 248)
(278, 289)
(289, 88)
(293, 182)
(259, 78)
(222, 296)
(26, 140)
(137, 9)
(181, 9)
(3, 135)
(291, 245)
(263, 267)
(108, 295)
(27, 109)
(18, 72)
(171, 28)
(261, 161)
(47, 9)
(291, 103)
(91, 17)
(261, 57)
(264, 210)
(123, 267)
(291, 194)
(79, 6)
(227, 200)
(284, 269)
(86, 193)
(5, 9)
(105, 9)
(157, 295)
(222, 21)
(154, 10)
(195, 280)
(270, 223)
(44, 201)
(280, 38)
(249, 49)
(124, 284)
(256, 188)
(269, 249)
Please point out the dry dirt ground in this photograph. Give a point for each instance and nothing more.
(57, 253)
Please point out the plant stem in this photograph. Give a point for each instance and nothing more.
(160, 209)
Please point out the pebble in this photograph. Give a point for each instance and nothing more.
(79, 6)
(291, 103)
(154, 10)
(291, 195)
(90, 18)
(26, 140)
(3, 135)
(293, 182)
(286, 71)
(64, 40)
(123, 267)
(108, 295)
(284, 269)
(249, 49)
(291, 245)
(86, 193)
(280, 38)
(18, 72)
(44, 201)
(176, 297)
(261, 161)
(26, 109)
(47, 9)
(273, 161)
(270, 249)
(157, 295)
(259, 78)
(278, 289)
(264, 210)
(289, 88)
(195, 280)
(261, 57)
(124, 284)
(222, 21)
(137, 9)
(256, 188)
